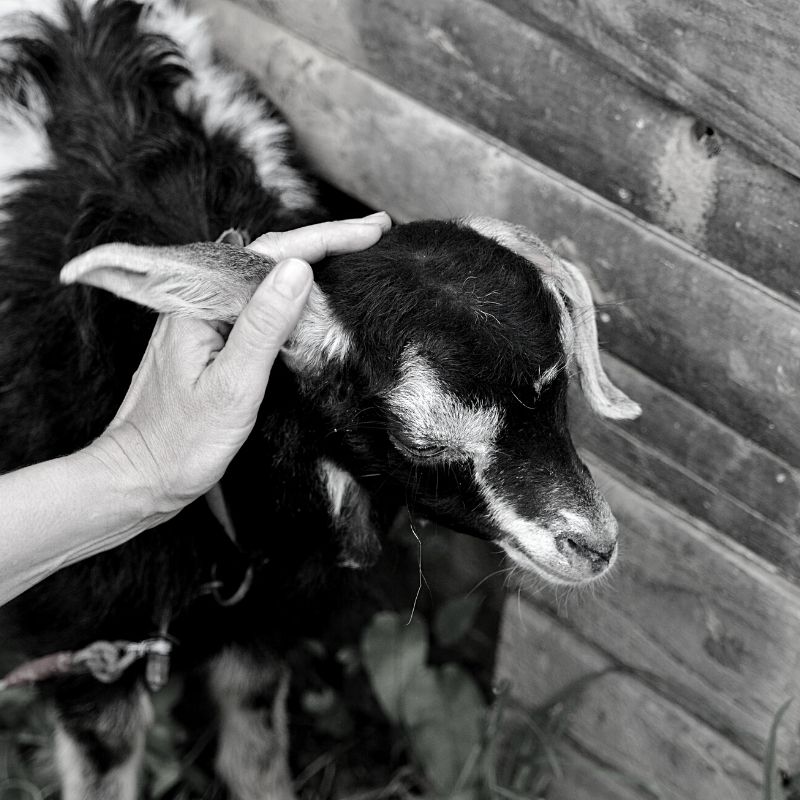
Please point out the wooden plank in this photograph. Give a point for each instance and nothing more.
(709, 57)
(552, 100)
(711, 627)
(584, 778)
(560, 769)
(644, 740)
(692, 324)
(700, 465)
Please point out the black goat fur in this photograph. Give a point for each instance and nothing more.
(128, 165)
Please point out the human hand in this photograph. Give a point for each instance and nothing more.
(194, 399)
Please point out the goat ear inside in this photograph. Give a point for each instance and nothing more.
(206, 280)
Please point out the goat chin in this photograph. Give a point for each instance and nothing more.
(430, 370)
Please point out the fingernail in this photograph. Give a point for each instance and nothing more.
(291, 277)
(378, 218)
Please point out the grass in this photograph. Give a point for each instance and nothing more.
(363, 731)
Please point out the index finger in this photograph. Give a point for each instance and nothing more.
(314, 242)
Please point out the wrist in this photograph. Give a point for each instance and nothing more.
(123, 467)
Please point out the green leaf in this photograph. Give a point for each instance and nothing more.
(165, 779)
(772, 782)
(456, 618)
(444, 736)
(392, 652)
(420, 703)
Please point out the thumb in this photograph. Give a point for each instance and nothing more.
(265, 324)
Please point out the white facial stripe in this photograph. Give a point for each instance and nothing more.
(431, 415)
(529, 541)
(530, 544)
(576, 523)
(225, 104)
(318, 338)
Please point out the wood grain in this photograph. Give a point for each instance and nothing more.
(646, 742)
(583, 778)
(700, 465)
(552, 100)
(712, 627)
(731, 62)
(690, 323)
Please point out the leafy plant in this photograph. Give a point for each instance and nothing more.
(453, 733)
(440, 709)
(398, 717)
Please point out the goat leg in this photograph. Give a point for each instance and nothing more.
(99, 742)
(253, 753)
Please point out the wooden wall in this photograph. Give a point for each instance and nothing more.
(658, 146)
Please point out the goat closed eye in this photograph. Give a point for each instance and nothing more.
(415, 451)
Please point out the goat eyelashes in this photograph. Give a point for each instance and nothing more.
(429, 372)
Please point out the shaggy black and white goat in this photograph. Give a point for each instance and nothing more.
(430, 370)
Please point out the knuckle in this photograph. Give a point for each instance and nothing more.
(269, 244)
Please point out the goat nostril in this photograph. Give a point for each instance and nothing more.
(601, 555)
(571, 545)
(574, 546)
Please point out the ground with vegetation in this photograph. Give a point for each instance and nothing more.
(406, 711)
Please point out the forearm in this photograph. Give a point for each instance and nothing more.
(60, 511)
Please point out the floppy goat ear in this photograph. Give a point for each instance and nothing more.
(205, 280)
(578, 326)
(605, 398)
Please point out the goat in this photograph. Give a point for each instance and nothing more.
(431, 370)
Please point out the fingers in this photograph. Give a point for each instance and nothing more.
(263, 327)
(192, 344)
(315, 242)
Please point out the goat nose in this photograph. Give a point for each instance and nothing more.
(574, 546)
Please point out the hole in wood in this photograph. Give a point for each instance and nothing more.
(707, 138)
